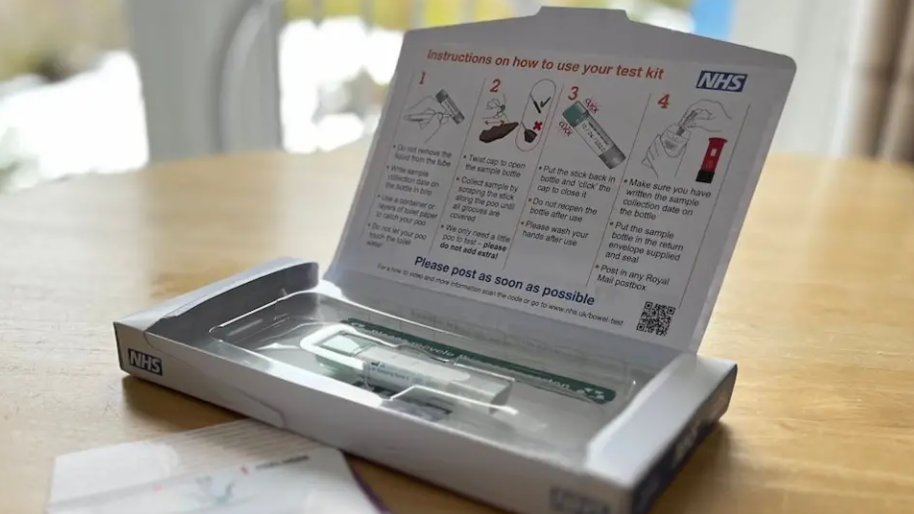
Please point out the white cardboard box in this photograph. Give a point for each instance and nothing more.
(541, 230)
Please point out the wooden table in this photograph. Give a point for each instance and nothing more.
(817, 308)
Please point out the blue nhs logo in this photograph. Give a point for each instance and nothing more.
(721, 81)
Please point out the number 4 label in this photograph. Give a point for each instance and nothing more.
(664, 101)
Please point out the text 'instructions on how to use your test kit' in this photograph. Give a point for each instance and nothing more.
(575, 187)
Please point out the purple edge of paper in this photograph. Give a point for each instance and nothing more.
(369, 492)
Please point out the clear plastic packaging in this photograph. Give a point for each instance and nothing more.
(495, 389)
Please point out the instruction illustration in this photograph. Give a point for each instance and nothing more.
(431, 113)
(594, 135)
(496, 120)
(712, 157)
(532, 124)
(664, 154)
(211, 495)
(536, 113)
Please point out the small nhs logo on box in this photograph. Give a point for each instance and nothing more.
(721, 81)
(144, 362)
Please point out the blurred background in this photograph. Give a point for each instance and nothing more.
(106, 86)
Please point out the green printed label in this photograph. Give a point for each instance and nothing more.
(597, 394)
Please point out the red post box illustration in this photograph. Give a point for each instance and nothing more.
(709, 163)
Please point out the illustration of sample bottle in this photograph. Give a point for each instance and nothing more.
(674, 139)
(445, 100)
(712, 157)
(593, 134)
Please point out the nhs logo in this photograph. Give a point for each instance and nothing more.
(144, 362)
(570, 502)
(721, 81)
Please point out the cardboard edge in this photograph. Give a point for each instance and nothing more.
(145, 318)
(544, 31)
(688, 440)
(740, 214)
(187, 379)
(693, 393)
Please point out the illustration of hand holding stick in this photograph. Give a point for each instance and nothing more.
(709, 116)
(431, 113)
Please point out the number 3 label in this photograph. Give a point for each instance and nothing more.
(574, 93)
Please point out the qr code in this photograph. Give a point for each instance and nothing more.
(656, 318)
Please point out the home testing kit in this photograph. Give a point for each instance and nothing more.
(536, 245)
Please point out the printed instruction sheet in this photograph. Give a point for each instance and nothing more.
(577, 187)
(240, 467)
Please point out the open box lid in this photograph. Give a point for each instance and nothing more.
(573, 165)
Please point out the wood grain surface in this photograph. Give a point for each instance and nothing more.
(817, 308)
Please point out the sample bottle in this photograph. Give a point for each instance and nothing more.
(593, 134)
(355, 358)
(674, 140)
(445, 100)
(711, 159)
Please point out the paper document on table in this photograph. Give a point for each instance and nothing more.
(239, 467)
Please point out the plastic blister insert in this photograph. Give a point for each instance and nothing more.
(503, 392)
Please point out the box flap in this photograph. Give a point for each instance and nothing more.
(573, 164)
